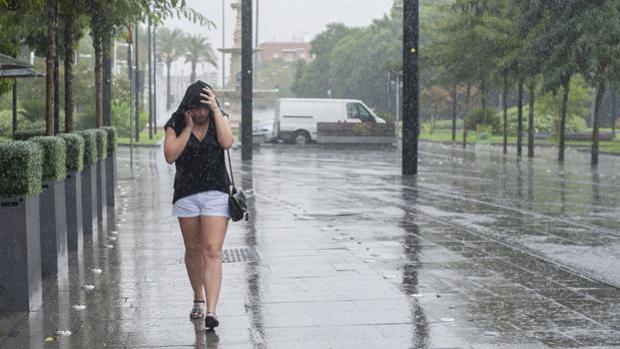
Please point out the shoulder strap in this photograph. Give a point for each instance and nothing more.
(230, 170)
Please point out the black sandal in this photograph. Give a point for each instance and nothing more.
(211, 320)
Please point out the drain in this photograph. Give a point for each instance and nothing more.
(236, 255)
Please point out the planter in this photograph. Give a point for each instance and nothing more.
(102, 194)
(110, 177)
(20, 245)
(355, 133)
(73, 199)
(20, 284)
(73, 190)
(89, 201)
(53, 228)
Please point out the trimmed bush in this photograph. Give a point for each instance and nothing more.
(75, 151)
(112, 139)
(25, 135)
(102, 143)
(90, 146)
(21, 163)
(54, 157)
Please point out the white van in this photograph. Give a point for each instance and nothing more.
(296, 118)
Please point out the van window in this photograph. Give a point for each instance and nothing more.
(358, 111)
(352, 112)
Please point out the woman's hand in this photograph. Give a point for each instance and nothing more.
(209, 99)
(224, 133)
(189, 120)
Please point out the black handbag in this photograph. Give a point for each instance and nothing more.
(237, 204)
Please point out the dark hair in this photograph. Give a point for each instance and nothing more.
(191, 100)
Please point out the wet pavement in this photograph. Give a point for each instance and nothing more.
(480, 251)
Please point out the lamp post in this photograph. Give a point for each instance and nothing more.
(223, 44)
(246, 80)
(411, 88)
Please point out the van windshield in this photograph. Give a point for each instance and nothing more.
(358, 111)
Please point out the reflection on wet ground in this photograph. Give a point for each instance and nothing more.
(479, 251)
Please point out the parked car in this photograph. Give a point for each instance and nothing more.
(296, 118)
(263, 131)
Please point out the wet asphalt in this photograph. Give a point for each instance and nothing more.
(478, 251)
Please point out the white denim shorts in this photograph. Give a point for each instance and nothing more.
(206, 203)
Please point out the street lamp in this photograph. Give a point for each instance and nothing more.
(411, 87)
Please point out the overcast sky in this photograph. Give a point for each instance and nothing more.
(284, 20)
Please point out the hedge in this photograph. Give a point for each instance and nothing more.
(112, 139)
(75, 151)
(54, 157)
(90, 146)
(25, 135)
(21, 163)
(102, 143)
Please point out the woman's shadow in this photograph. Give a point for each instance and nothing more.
(205, 338)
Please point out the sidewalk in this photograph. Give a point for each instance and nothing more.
(479, 252)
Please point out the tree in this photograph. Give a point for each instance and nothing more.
(51, 8)
(199, 49)
(170, 46)
(70, 10)
(555, 47)
(599, 42)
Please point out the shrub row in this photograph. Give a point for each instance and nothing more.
(25, 164)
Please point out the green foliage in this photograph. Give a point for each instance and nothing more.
(75, 151)
(112, 139)
(102, 143)
(313, 82)
(25, 135)
(21, 163)
(276, 72)
(90, 146)
(477, 118)
(120, 118)
(54, 157)
(198, 50)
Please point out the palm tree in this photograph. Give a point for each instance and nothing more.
(170, 44)
(199, 49)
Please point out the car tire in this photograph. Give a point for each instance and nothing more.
(300, 137)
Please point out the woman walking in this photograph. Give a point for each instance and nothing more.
(197, 135)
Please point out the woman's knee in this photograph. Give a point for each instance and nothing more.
(212, 251)
(193, 249)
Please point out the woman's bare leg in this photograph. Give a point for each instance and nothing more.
(213, 234)
(190, 228)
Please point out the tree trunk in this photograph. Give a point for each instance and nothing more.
(454, 106)
(150, 79)
(483, 97)
(56, 79)
(465, 112)
(600, 93)
(505, 108)
(530, 121)
(69, 57)
(613, 114)
(98, 85)
(168, 97)
(56, 92)
(50, 62)
(192, 76)
(520, 118)
(138, 81)
(107, 47)
(566, 86)
(155, 79)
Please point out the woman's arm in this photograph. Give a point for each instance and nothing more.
(173, 144)
(224, 133)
